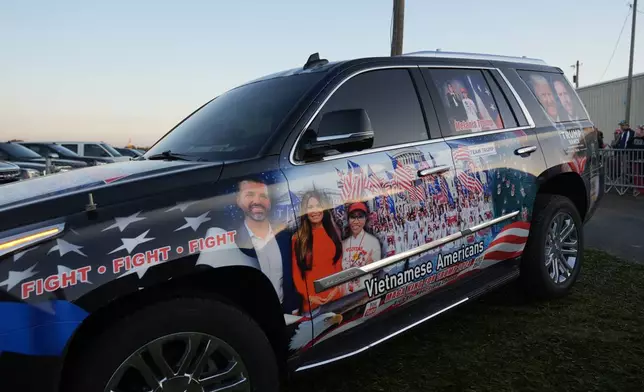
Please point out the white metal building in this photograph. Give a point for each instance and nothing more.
(606, 103)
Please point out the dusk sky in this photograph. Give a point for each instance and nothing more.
(120, 70)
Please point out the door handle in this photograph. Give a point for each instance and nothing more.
(525, 150)
(433, 170)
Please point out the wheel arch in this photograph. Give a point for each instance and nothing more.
(559, 181)
(241, 286)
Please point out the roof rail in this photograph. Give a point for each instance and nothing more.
(475, 56)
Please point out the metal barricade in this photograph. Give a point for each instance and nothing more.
(624, 170)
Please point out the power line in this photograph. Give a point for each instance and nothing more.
(616, 44)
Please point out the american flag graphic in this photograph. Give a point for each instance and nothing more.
(403, 174)
(578, 164)
(374, 183)
(508, 244)
(353, 183)
(417, 192)
(471, 183)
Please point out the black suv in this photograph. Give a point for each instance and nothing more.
(28, 159)
(295, 221)
(57, 151)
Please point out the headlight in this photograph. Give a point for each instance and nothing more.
(31, 173)
(99, 163)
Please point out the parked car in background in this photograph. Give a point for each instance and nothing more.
(24, 157)
(94, 150)
(129, 152)
(57, 151)
(9, 173)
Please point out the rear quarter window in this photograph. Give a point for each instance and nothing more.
(555, 94)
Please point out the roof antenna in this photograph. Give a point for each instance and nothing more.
(314, 61)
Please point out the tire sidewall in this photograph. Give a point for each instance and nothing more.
(553, 206)
(115, 344)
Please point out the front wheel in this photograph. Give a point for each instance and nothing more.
(553, 255)
(181, 345)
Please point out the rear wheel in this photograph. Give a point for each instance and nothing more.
(181, 345)
(553, 255)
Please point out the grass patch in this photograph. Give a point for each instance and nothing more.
(591, 340)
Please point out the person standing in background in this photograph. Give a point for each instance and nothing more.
(626, 138)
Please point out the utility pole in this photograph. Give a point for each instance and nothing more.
(630, 66)
(398, 27)
(575, 77)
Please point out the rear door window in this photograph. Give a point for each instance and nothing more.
(555, 94)
(469, 103)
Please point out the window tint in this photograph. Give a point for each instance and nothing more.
(389, 98)
(94, 150)
(509, 117)
(111, 150)
(62, 151)
(555, 95)
(36, 148)
(238, 123)
(18, 151)
(468, 101)
(72, 147)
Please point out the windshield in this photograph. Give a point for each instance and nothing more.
(18, 152)
(111, 150)
(237, 124)
(63, 150)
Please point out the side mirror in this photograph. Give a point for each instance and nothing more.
(339, 132)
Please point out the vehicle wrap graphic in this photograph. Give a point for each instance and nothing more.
(364, 209)
(295, 225)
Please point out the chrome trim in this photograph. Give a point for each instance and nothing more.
(525, 150)
(344, 136)
(60, 227)
(433, 170)
(377, 149)
(524, 109)
(475, 56)
(344, 276)
(371, 345)
(474, 134)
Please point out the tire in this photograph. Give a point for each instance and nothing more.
(536, 274)
(101, 355)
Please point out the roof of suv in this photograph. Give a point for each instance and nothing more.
(421, 57)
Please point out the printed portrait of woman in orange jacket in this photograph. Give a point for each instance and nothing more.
(317, 251)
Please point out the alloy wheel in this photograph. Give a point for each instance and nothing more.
(182, 362)
(562, 247)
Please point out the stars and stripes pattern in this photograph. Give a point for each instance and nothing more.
(353, 183)
(467, 180)
(374, 183)
(403, 174)
(508, 244)
(470, 183)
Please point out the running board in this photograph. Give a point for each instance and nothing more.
(367, 347)
(390, 324)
